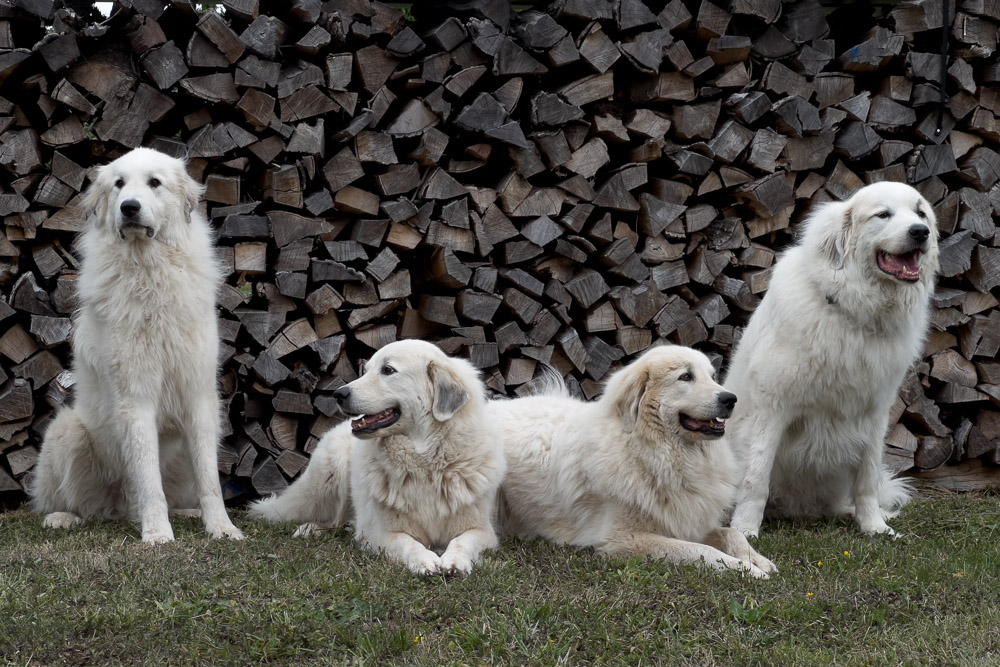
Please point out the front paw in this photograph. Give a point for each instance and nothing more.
(879, 528)
(452, 564)
(61, 520)
(745, 551)
(763, 563)
(225, 530)
(748, 529)
(158, 535)
(426, 563)
(744, 567)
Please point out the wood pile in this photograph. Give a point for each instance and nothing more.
(563, 185)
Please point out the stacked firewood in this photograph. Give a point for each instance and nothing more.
(563, 185)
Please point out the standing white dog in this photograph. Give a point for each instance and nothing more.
(417, 472)
(143, 434)
(822, 359)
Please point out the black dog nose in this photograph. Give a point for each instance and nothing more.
(342, 394)
(920, 233)
(727, 399)
(130, 207)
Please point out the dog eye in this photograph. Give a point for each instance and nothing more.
(685, 377)
(884, 215)
(921, 215)
(119, 183)
(388, 370)
(154, 182)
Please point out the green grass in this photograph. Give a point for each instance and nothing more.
(96, 595)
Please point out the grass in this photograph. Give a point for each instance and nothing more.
(96, 595)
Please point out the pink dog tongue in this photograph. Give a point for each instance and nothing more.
(905, 266)
(367, 421)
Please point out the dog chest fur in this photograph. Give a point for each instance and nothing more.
(146, 290)
(830, 387)
(663, 490)
(404, 480)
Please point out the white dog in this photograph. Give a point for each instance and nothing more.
(419, 469)
(823, 357)
(143, 434)
(643, 470)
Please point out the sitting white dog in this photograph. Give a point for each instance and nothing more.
(822, 359)
(142, 436)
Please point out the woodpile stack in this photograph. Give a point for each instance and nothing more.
(562, 185)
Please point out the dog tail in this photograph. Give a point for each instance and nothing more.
(548, 382)
(322, 495)
(893, 493)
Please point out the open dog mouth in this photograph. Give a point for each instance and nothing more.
(905, 267)
(135, 226)
(372, 423)
(714, 427)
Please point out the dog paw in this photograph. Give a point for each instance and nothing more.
(425, 564)
(887, 533)
(61, 520)
(452, 564)
(879, 528)
(763, 563)
(743, 567)
(747, 529)
(226, 530)
(735, 544)
(158, 535)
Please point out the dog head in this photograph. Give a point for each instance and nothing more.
(885, 230)
(670, 390)
(407, 385)
(142, 193)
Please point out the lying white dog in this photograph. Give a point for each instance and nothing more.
(142, 436)
(822, 359)
(643, 470)
(417, 471)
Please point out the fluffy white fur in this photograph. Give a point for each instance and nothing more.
(142, 436)
(417, 473)
(822, 359)
(622, 474)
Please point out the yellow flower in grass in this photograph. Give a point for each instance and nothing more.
(418, 639)
(847, 553)
(809, 595)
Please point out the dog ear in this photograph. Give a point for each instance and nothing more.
(630, 399)
(837, 237)
(191, 193)
(448, 392)
(93, 203)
